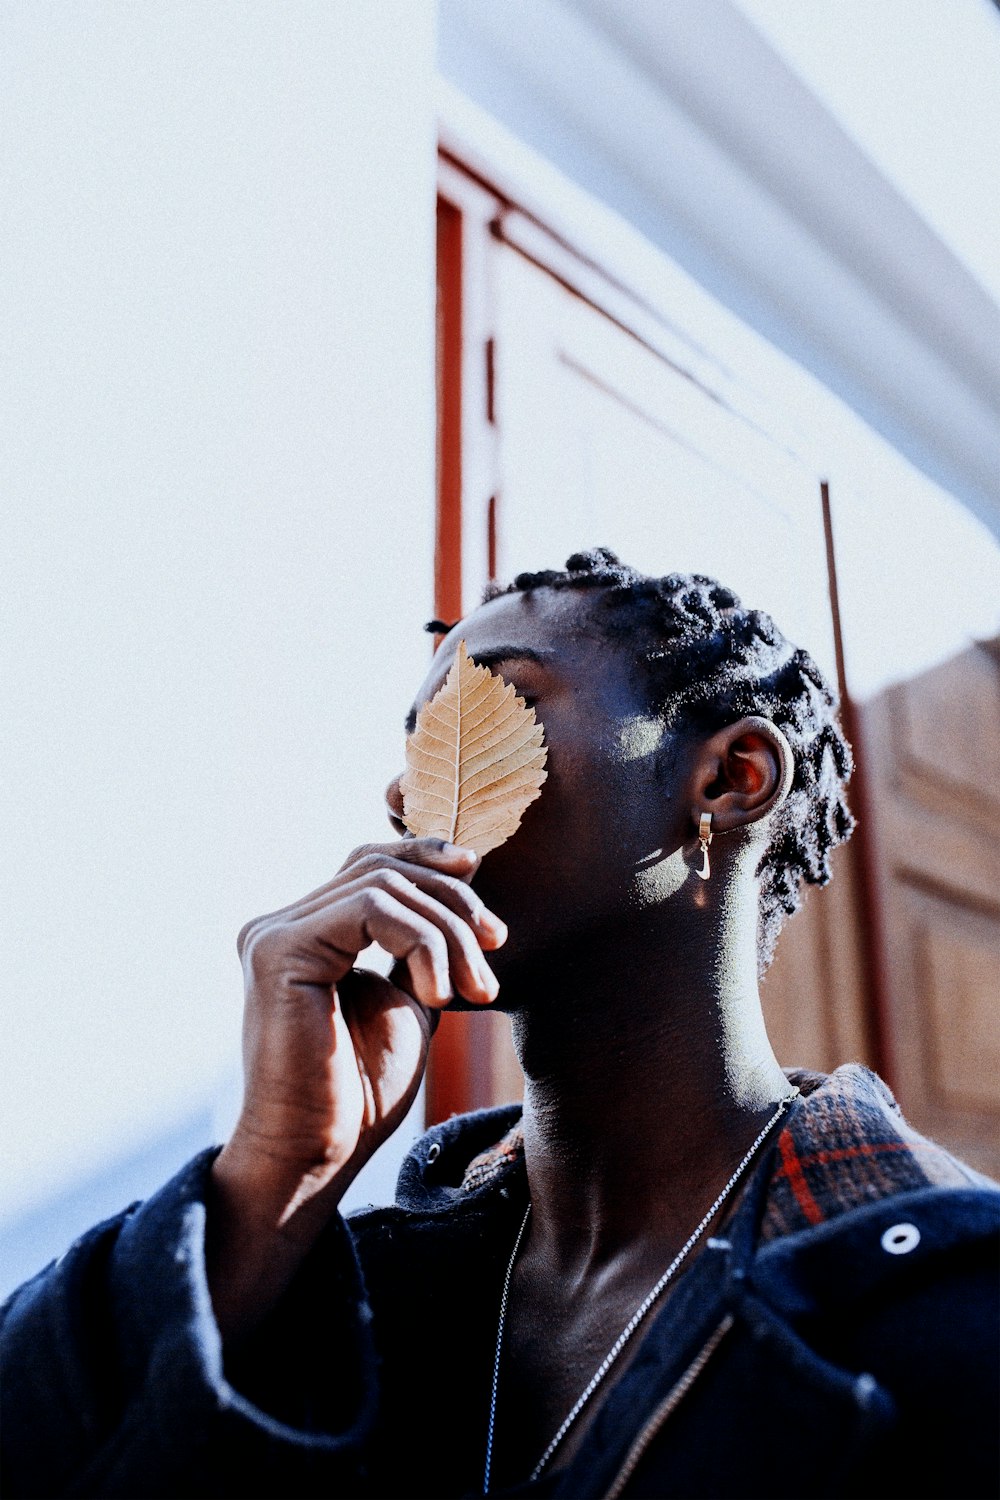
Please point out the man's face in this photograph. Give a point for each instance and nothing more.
(602, 837)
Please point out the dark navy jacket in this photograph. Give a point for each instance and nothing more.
(854, 1354)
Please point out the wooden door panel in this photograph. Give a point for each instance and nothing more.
(949, 718)
(933, 747)
(947, 1040)
(959, 969)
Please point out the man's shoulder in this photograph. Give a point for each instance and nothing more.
(906, 1292)
(876, 1231)
(898, 1244)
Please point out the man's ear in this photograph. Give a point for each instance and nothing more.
(742, 773)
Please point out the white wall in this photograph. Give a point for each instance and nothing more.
(217, 481)
(892, 81)
(684, 119)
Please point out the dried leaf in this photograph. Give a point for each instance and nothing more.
(474, 761)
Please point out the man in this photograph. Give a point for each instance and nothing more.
(679, 1271)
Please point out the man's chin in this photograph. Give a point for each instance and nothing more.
(459, 1004)
(498, 1004)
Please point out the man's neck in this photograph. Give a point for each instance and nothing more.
(648, 1075)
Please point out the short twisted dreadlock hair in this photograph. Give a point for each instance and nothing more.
(709, 661)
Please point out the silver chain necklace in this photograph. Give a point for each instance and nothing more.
(630, 1326)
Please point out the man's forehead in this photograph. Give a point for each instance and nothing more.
(541, 628)
(542, 618)
(545, 624)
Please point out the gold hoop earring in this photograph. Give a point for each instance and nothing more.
(704, 839)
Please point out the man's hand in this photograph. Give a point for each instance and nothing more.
(333, 1056)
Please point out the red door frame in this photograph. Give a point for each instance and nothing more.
(449, 1085)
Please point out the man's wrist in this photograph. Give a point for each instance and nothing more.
(263, 1219)
(272, 1194)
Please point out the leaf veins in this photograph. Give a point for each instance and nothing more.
(474, 762)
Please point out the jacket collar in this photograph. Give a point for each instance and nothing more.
(845, 1144)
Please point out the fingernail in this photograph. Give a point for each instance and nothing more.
(459, 852)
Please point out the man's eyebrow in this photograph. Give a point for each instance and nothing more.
(498, 654)
(492, 659)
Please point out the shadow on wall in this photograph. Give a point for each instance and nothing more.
(30, 1241)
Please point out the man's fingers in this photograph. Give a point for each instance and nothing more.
(470, 973)
(317, 947)
(406, 935)
(458, 897)
(435, 854)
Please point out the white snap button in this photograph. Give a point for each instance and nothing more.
(901, 1239)
(433, 1152)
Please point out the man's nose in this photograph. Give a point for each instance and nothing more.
(394, 799)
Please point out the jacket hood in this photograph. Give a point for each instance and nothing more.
(434, 1172)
